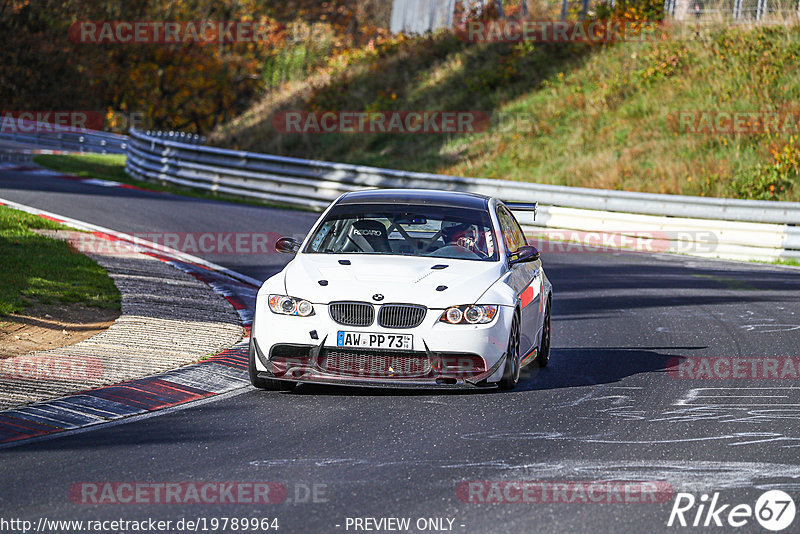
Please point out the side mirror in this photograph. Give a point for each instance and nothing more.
(287, 245)
(523, 254)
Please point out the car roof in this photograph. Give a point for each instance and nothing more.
(430, 197)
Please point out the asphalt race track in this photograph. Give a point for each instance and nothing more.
(606, 409)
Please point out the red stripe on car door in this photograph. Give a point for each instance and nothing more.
(527, 296)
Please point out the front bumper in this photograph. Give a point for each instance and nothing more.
(308, 364)
(303, 349)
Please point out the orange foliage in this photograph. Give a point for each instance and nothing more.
(189, 86)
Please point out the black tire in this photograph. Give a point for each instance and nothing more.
(543, 356)
(264, 383)
(511, 370)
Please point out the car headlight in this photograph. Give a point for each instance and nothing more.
(285, 305)
(477, 314)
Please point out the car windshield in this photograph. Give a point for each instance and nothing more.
(406, 230)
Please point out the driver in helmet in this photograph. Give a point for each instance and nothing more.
(460, 235)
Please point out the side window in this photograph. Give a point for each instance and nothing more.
(512, 233)
(520, 235)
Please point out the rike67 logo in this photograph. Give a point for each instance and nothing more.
(774, 510)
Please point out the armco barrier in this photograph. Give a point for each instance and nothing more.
(54, 137)
(742, 229)
(736, 240)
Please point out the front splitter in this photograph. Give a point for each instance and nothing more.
(380, 383)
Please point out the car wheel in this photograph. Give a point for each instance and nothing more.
(511, 371)
(543, 357)
(264, 383)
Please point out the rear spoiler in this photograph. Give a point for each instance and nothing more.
(523, 206)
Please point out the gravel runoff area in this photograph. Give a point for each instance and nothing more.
(168, 319)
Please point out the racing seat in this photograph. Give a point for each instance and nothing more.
(367, 236)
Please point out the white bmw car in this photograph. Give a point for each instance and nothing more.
(404, 288)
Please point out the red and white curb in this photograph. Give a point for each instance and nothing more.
(222, 373)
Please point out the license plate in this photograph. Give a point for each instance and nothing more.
(374, 340)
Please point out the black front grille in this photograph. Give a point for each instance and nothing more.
(352, 313)
(373, 363)
(286, 351)
(401, 315)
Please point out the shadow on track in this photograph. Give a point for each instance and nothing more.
(585, 366)
(569, 367)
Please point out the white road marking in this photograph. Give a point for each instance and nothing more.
(683, 475)
(705, 397)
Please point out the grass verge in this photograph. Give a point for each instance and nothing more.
(576, 114)
(41, 269)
